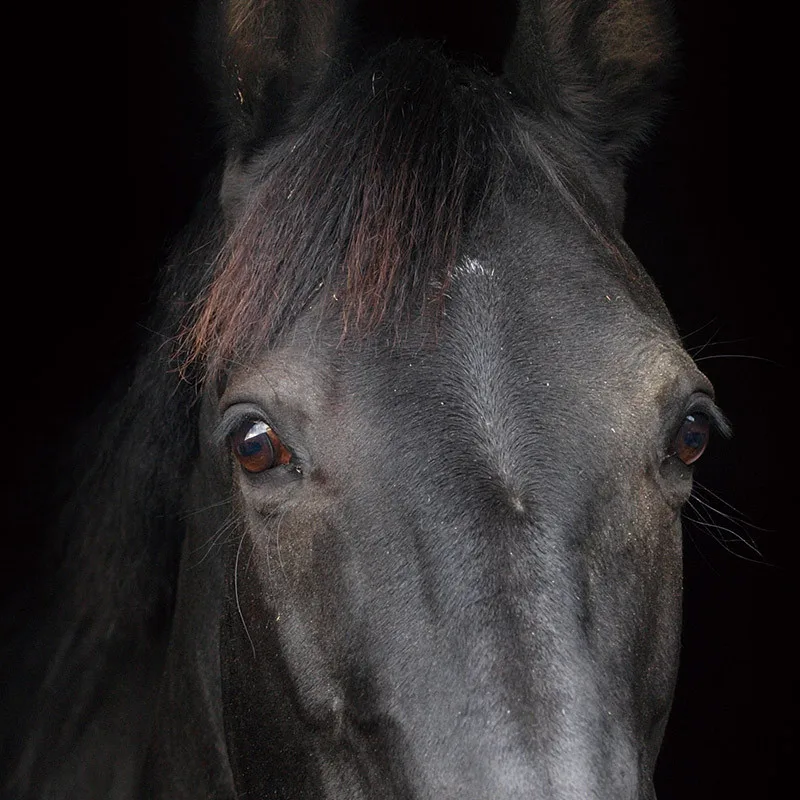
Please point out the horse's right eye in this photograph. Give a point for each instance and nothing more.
(257, 447)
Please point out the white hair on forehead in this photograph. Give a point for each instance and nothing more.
(471, 266)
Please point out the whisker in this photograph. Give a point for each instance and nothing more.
(263, 534)
(736, 536)
(739, 355)
(706, 512)
(229, 523)
(741, 518)
(732, 520)
(695, 350)
(701, 513)
(724, 543)
(236, 592)
(278, 544)
(266, 550)
(187, 514)
(687, 531)
(688, 336)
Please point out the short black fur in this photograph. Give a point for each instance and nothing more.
(375, 191)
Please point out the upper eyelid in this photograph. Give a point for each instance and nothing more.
(704, 404)
(235, 416)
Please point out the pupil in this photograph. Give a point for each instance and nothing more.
(250, 447)
(693, 439)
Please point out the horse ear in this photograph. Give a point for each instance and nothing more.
(600, 65)
(267, 53)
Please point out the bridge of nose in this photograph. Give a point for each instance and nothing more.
(490, 450)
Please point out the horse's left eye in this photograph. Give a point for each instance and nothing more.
(692, 437)
(257, 447)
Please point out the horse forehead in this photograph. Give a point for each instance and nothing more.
(602, 320)
(546, 310)
(486, 329)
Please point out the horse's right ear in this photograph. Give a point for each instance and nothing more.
(265, 55)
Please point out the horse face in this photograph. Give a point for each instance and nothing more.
(457, 568)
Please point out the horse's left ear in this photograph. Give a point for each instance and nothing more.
(598, 67)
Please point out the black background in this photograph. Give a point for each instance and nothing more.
(114, 147)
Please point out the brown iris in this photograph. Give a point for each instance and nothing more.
(257, 447)
(692, 437)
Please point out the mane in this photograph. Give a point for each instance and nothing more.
(369, 200)
(117, 541)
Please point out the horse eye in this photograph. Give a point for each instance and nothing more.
(692, 438)
(257, 447)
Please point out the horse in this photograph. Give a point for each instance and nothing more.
(391, 505)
